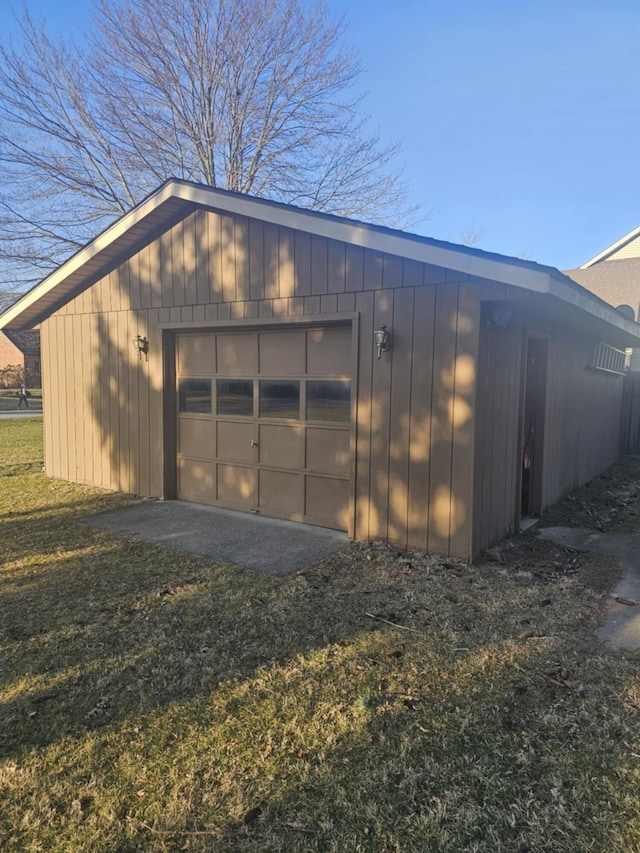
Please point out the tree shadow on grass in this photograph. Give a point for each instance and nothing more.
(167, 700)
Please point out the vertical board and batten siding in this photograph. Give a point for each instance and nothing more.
(582, 418)
(582, 424)
(413, 465)
(630, 426)
(498, 432)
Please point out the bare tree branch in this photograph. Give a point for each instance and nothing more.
(256, 96)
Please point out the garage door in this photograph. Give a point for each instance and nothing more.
(264, 422)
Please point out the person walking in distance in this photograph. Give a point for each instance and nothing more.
(23, 396)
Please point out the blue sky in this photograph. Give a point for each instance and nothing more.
(518, 118)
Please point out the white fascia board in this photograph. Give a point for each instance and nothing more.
(610, 250)
(357, 234)
(88, 253)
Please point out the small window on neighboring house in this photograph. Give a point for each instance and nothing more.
(36, 367)
(609, 359)
(626, 311)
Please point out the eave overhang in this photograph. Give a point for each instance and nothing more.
(176, 199)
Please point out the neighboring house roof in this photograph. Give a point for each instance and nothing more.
(27, 341)
(626, 247)
(175, 199)
(617, 282)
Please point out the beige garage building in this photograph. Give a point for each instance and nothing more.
(222, 349)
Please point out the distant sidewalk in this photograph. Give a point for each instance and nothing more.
(20, 413)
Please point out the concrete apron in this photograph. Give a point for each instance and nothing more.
(621, 628)
(239, 539)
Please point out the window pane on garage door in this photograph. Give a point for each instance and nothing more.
(235, 397)
(279, 399)
(195, 396)
(329, 401)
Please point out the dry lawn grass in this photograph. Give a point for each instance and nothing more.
(153, 701)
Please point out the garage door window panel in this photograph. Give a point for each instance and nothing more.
(329, 401)
(280, 399)
(194, 396)
(234, 397)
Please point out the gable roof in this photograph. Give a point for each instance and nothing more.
(175, 199)
(616, 281)
(626, 247)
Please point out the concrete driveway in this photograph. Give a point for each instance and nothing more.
(239, 539)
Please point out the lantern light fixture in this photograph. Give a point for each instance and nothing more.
(142, 346)
(382, 338)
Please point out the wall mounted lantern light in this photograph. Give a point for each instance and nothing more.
(382, 337)
(142, 346)
(500, 315)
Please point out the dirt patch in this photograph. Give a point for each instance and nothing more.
(610, 502)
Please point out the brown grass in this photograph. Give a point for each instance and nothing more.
(151, 700)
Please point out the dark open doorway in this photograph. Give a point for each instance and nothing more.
(535, 386)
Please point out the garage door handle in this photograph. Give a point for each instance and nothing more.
(254, 443)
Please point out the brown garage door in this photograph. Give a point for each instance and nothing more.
(264, 422)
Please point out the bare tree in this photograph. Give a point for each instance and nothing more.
(472, 235)
(250, 95)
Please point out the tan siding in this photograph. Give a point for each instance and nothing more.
(336, 267)
(400, 415)
(131, 420)
(354, 268)
(201, 234)
(177, 255)
(462, 413)
(271, 250)
(319, 266)
(582, 434)
(440, 509)
(79, 420)
(189, 261)
(426, 450)
(364, 423)
(262, 272)
(56, 404)
(498, 434)
(126, 331)
(155, 275)
(346, 302)
(243, 289)
(380, 423)
(302, 265)
(630, 250)
(65, 410)
(140, 367)
(420, 426)
(392, 271)
(256, 260)
(329, 304)
(373, 269)
(47, 413)
(117, 381)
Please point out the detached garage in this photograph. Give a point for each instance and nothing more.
(222, 349)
